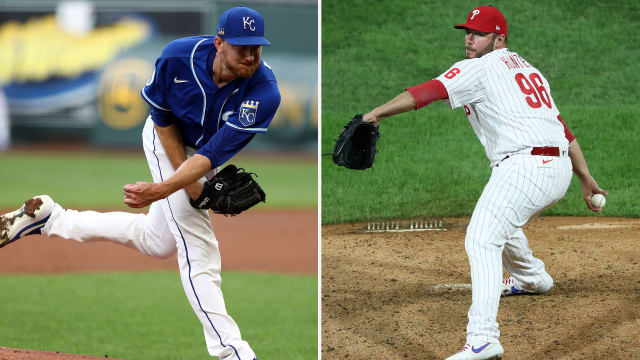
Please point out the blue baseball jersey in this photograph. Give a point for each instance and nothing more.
(217, 121)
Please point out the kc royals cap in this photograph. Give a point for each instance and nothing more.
(485, 19)
(242, 26)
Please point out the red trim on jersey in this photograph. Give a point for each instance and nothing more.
(567, 132)
(428, 92)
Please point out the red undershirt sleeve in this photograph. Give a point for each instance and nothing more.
(428, 92)
(567, 132)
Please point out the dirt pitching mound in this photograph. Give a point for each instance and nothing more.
(405, 295)
(20, 354)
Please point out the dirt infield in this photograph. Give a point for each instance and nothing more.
(259, 240)
(19, 354)
(405, 295)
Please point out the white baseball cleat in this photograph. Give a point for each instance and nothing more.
(27, 220)
(511, 287)
(480, 350)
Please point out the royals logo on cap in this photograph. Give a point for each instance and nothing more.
(248, 22)
(248, 112)
(242, 26)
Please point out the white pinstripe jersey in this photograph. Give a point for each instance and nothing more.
(507, 101)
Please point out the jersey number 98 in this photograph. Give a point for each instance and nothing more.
(534, 92)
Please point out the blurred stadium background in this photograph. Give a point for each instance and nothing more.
(71, 71)
(70, 80)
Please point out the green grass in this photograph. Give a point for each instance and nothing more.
(95, 180)
(429, 162)
(145, 315)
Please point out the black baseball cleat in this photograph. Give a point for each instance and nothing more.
(27, 220)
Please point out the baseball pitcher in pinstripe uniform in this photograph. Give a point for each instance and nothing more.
(509, 105)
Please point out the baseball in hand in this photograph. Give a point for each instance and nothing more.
(598, 200)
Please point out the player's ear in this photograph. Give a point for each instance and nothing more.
(218, 43)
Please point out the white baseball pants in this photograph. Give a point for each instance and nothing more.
(171, 223)
(520, 187)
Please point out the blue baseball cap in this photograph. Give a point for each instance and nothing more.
(242, 26)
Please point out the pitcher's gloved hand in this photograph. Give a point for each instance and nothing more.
(356, 146)
(230, 192)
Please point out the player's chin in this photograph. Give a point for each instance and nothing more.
(246, 71)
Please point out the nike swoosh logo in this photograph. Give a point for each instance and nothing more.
(546, 161)
(515, 291)
(480, 348)
(226, 115)
(177, 81)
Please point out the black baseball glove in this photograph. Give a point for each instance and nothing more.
(356, 146)
(230, 192)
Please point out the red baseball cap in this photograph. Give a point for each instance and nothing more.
(485, 19)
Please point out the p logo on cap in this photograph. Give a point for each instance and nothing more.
(242, 26)
(485, 19)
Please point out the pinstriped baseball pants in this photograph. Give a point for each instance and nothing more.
(520, 187)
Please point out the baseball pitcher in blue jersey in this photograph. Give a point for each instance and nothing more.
(209, 96)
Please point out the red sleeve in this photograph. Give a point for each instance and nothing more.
(428, 92)
(567, 132)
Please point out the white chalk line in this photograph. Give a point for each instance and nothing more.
(405, 230)
(458, 287)
(598, 226)
(398, 226)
